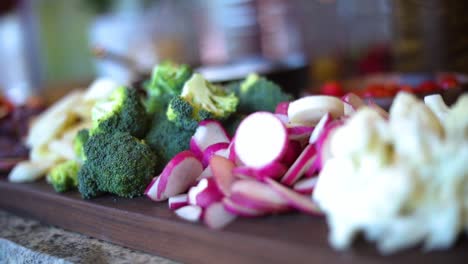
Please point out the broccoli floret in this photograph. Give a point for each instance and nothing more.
(166, 82)
(122, 111)
(259, 94)
(233, 122)
(200, 100)
(116, 163)
(64, 176)
(166, 139)
(78, 143)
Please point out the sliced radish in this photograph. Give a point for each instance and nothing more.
(178, 201)
(273, 170)
(261, 139)
(243, 172)
(296, 200)
(190, 213)
(377, 108)
(204, 193)
(282, 108)
(208, 132)
(300, 166)
(222, 173)
(293, 151)
(352, 103)
(322, 145)
(320, 128)
(206, 173)
(299, 132)
(215, 149)
(308, 110)
(217, 217)
(241, 210)
(257, 195)
(152, 189)
(306, 186)
(178, 175)
(283, 118)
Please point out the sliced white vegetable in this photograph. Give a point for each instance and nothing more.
(100, 89)
(178, 201)
(241, 210)
(274, 170)
(217, 217)
(322, 145)
(204, 193)
(208, 132)
(221, 148)
(282, 108)
(308, 110)
(206, 173)
(257, 195)
(222, 173)
(294, 199)
(152, 189)
(299, 132)
(300, 166)
(190, 213)
(352, 103)
(284, 118)
(261, 139)
(178, 175)
(26, 171)
(305, 186)
(320, 128)
(436, 103)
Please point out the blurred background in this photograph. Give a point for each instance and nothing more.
(47, 46)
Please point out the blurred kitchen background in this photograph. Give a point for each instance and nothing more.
(302, 43)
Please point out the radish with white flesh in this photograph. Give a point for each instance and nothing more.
(151, 190)
(282, 108)
(294, 199)
(178, 201)
(178, 175)
(293, 151)
(320, 128)
(305, 186)
(257, 195)
(243, 172)
(220, 148)
(261, 139)
(283, 118)
(377, 108)
(204, 193)
(190, 213)
(274, 170)
(299, 132)
(352, 103)
(322, 145)
(308, 110)
(222, 173)
(300, 166)
(217, 217)
(241, 210)
(206, 173)
(208, 132)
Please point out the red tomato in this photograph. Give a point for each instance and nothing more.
(332, 88)
(427, 87)
(377, 90)
(406, 88)
(448, 81)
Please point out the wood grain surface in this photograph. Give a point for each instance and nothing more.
(151, 227)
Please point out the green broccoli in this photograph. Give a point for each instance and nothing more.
(122, 111)
(200, 100)
(166, 82)
(166, 139)
(64, 176)
(116, 163)
(258, 94)
(233, 122)
(78, 143)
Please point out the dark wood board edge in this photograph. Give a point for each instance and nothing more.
(140, 225)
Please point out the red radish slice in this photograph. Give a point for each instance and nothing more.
(243, 173)
(300, 166)
(352, 103)
(293, 151)
(274, 170)
(283, 118)
(282, 108)
(178, 175)
(204, 193)
(241, 210)
(215, 149)
(320, 128)
(190, 213)
(296, 200)
(299, 132)
(206, 173)
(152, 189)
(306, 186)
(322, 145)
(222, 173)
(257, 195)
(178, 201)
(209, 132)
(308, 110)
(217, 217)
(261, 139)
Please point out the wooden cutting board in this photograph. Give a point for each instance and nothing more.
(147, 226)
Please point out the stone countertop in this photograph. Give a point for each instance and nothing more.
(25, 240)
